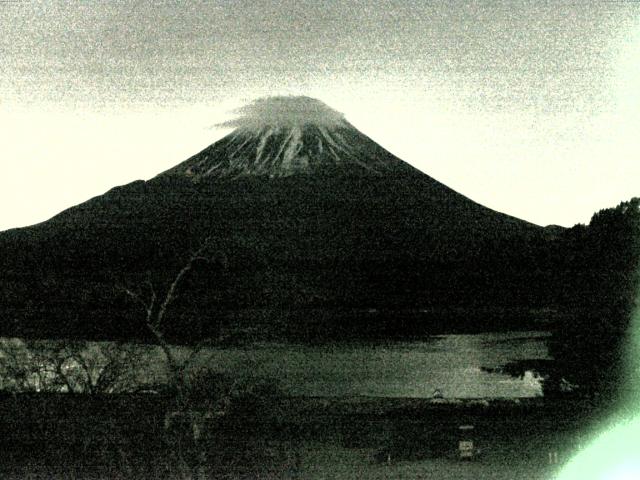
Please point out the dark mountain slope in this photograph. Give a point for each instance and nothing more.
(312, 218)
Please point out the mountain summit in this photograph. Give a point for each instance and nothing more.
(283, 136)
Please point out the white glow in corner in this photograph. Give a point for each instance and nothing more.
(612, 456)
(615, 454)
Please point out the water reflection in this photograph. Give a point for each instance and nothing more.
(450, 364)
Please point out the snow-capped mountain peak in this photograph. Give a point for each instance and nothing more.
(283, 136)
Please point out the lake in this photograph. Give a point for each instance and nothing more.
(449, 363)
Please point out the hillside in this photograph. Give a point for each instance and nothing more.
(311, 216)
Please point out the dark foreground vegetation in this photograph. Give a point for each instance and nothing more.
(130, 436)
(599, 282)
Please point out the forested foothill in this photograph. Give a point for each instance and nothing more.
(599, 289)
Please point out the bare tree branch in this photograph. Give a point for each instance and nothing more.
(155, 315)
(148, 307)
(154, 297)
(171, 293)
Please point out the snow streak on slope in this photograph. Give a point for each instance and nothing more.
(283, 136)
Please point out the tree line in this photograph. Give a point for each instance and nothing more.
(597, 286)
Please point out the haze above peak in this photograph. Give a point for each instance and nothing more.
(285, 111)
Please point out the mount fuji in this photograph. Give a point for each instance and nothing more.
(325, 232)
(298, 135)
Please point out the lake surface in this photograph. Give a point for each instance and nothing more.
(449, 363)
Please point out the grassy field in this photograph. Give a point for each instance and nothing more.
(76, 436)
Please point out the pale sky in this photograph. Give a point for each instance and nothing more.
(530, 107)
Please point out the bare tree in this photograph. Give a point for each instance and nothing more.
(155, 307)
(189, 454)
(76, 367)
(16, 369)
(33, 366)
(102, 368)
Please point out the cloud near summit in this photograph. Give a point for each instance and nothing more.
(284, 110)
